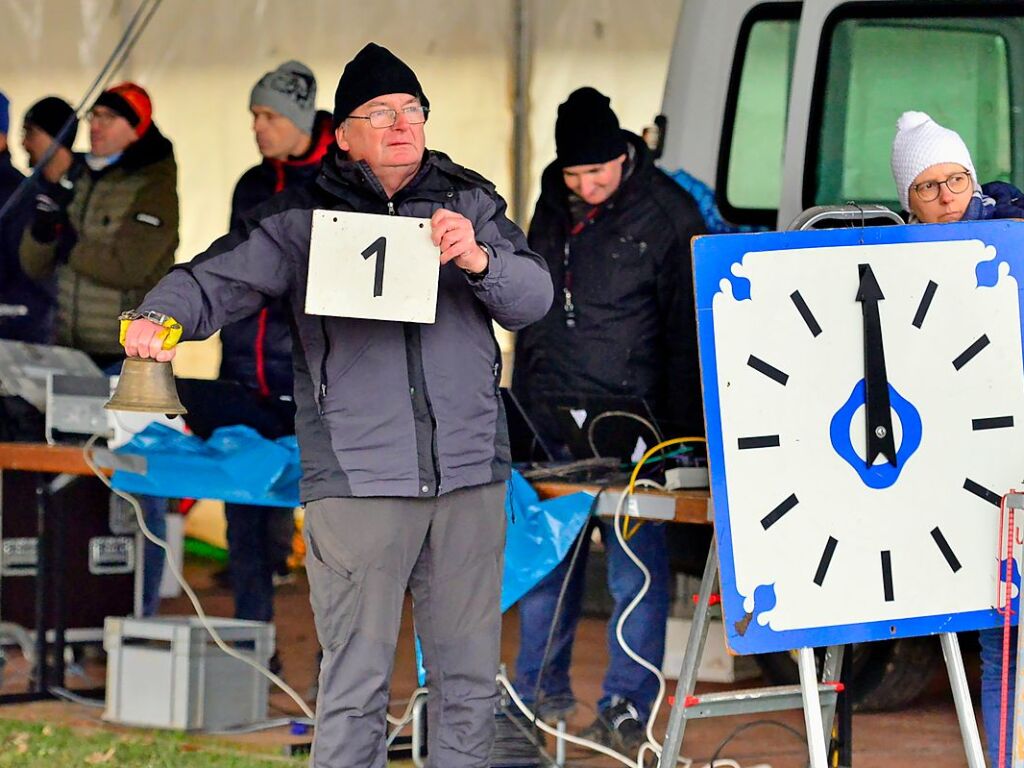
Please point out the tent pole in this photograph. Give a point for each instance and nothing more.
(520, 110)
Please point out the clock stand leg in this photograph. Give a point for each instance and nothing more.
(691, 661)
(686, 707)
(813, 720)
(962, 699)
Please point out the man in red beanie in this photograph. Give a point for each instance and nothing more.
(108, 240)
(114, 236)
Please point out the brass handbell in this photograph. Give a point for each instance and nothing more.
(146, 386)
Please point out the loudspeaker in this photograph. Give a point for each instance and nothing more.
(101, 552)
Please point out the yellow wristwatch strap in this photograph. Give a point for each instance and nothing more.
(172, 328)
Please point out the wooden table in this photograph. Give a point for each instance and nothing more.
(692, 506)
(40, 457)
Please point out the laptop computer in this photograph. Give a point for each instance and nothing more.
(606, 426)
(212, 403)
(525, 442)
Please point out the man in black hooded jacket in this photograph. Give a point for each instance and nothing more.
(615, 232)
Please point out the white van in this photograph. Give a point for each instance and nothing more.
(780, 106)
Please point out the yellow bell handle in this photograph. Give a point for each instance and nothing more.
(172, 328)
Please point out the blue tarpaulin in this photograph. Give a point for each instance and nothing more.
(237, 465)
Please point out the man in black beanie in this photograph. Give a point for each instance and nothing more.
(400, 425)
(615, 232)
(52, 188)
(48, 120)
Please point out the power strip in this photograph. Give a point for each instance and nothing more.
(679, 478)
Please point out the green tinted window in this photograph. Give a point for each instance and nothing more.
(759, 126)
(955, 69)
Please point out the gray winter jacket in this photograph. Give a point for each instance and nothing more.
(382, 408)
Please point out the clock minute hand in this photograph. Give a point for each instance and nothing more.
(876, 382)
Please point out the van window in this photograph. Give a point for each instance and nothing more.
(750, 170)
(955, 68)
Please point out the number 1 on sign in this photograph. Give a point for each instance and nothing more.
(377, 248)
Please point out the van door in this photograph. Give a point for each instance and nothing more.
(725, 101)
(859, 65)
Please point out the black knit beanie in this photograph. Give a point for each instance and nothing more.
(374, 71)
(587, 131)
(50, 115)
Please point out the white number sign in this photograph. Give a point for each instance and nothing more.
(370, 266)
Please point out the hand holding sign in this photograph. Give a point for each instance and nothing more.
(453, 234)
(377, 267)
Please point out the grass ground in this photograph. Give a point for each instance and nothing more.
(34, 745)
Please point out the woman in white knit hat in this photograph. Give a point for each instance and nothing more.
(937, 183)
(935, 177)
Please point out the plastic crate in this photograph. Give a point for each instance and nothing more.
(167, 672)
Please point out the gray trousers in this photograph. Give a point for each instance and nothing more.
(361, 556)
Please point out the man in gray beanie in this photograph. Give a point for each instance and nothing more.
(257, 350)
(404, 445)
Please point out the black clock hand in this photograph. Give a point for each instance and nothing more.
(876, 383)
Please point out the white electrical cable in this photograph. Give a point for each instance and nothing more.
(621, 414)
(577, 740)
(87, 453)
(651, 745)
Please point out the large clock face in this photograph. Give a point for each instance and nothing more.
(865, 398)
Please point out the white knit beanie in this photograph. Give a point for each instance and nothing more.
(921, 143)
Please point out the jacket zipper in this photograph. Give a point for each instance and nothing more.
(430, 408)
(73, 320)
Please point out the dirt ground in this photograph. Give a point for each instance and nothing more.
(925, 734)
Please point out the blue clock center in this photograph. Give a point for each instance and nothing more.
(882, 474)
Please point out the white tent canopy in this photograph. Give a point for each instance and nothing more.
(200, 58)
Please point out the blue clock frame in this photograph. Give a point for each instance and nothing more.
(713, 259)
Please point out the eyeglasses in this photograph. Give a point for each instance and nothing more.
(104, 116)
(929, 190)
(385, 118)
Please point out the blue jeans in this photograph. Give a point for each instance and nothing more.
(991, 685)
(259, 542)
(644, 630)
(154, 512)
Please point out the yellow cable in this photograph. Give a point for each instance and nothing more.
(626, 532)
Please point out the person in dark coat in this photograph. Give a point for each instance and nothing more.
(28, 307)
(293, 137)
(615, 232)
(400, 425)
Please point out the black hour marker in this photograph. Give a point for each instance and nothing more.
(768, 370)
(761, 441)
(805, 313)
(926, 302)
(968, 354)
(826, 560)
(996, 422)
(887, 575)
(945, 549)
(776, 514)
(983, 493)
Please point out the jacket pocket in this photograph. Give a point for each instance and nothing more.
(335, 594)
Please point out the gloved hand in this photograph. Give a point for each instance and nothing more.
(51, 210)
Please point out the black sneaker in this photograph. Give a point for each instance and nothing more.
(555, 709)
(618, 727)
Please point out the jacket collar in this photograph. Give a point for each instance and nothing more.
(322, 141)
(555, 195)
(152, 147)
(437, 176)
